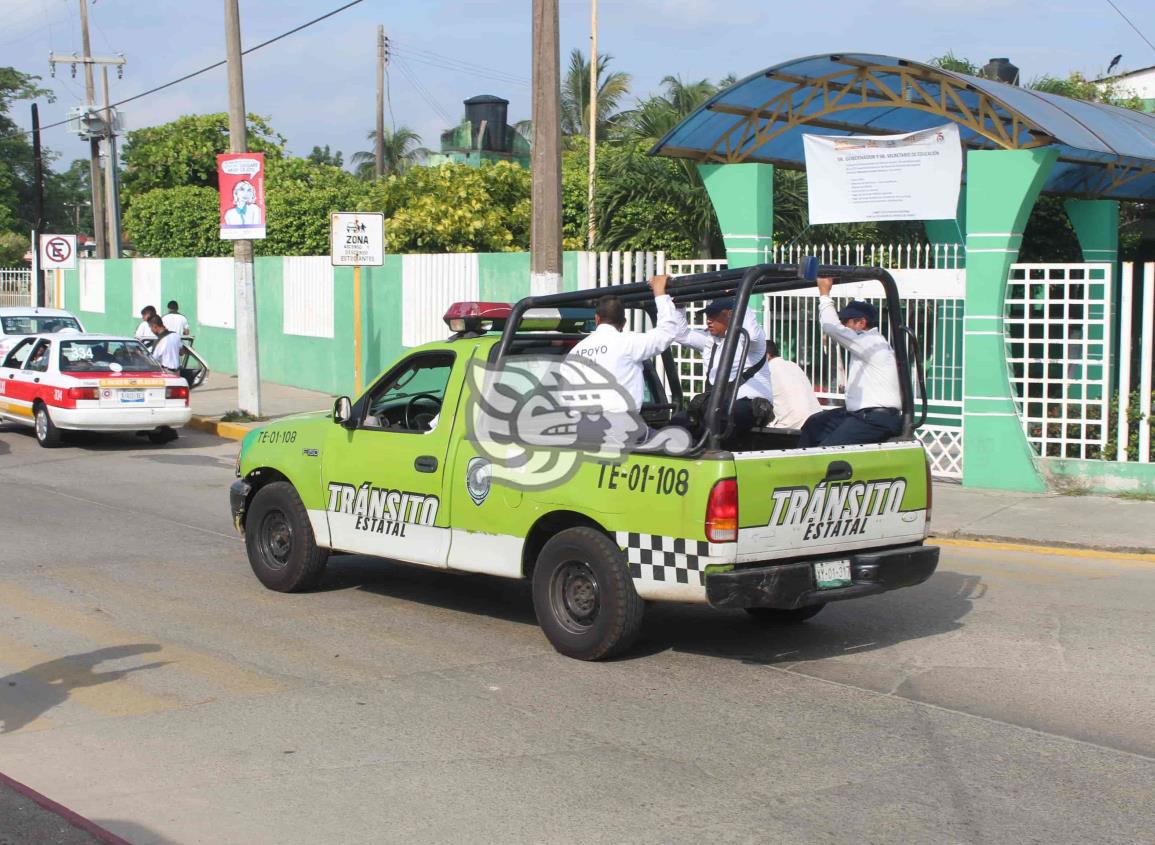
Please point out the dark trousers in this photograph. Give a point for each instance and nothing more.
(743, 420)
(840, 427)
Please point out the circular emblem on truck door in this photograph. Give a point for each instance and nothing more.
(478, 478)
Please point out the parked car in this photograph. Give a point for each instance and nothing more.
(89, 382)
(20, 321)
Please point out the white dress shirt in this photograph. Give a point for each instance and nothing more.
(711, 349)
(167, 351)
(175, 322)
(872, 381)
(144, 331)
(622, 353)
(794, 399)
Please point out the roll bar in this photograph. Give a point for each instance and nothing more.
(742, 283)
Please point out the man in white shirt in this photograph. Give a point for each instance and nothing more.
(167, 348)
(749, 369)
(144, 330)
(622, 353)
(175, 321)
(794, 399)
(873, 409)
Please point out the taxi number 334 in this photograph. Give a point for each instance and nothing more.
(643, 478)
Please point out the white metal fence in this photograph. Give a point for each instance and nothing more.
(15, 286)
(909, 256)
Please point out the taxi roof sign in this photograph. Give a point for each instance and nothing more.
(357, 238)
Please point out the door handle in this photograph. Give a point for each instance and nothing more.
(838, 471)
(37, 379)
(425, 463)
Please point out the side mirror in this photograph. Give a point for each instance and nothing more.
(343, 411)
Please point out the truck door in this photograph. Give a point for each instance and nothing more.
(382, 478)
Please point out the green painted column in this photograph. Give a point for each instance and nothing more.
(950, 232)
(743, 199)
(1002, 186)
(1096, 224)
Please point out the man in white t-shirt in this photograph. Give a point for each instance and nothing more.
(144, 330)
(794, 399)
(167, 348)
(175, 321)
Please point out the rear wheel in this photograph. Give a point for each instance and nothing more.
(282, 549)
(584, 597)
(47, 434)
(773, 616)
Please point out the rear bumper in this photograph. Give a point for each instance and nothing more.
(238, 501)
(119, 419)
(792, 585)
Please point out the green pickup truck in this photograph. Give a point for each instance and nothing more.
(400, 473)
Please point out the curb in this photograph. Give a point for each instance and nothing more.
(1014, 544)
(98, 833)
(227, 430)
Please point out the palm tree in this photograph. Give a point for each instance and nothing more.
(402, 151)
(656, 116)
(575, 95)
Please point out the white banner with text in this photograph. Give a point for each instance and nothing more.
(856, 179)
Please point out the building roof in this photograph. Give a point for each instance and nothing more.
(1104, 151)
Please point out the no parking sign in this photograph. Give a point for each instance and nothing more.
(58, 252)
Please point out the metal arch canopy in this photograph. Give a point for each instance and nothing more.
(1104, 151)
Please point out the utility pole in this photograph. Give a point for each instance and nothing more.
(545, 232)
(38, 225)
(248, 367)
(382, 61)
(98, 223)
(593, 119)
(111, 175)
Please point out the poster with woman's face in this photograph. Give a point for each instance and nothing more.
(241, 177)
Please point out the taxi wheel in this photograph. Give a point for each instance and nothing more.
(47, 434)
(279, 539)
(773, 616)
(583, 595)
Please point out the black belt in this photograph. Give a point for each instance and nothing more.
(894, 411)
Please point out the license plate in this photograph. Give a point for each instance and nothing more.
(832, 573)
(131, 397)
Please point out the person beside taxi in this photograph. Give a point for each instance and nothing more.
(167, 348)
(144, 330)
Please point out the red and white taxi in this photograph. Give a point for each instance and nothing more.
(90, 382)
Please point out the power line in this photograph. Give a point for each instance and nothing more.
(469, 71)
(430, 58)
(423, 92)
(1130, 24)
(206, 69)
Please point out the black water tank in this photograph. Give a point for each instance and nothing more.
(1001, 70)
(491, 111)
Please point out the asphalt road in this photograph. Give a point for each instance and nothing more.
(149, 682)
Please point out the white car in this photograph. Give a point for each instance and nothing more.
(18, 322)
(90, 382)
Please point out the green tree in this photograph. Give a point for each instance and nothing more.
(68, 199)
(575, 95)
(184, 152)
(323, 156)
(455, 208)
(181, 221)
(16, 164)
(299, 197)
(401, 150)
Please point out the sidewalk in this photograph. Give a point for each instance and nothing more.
(1046, 519)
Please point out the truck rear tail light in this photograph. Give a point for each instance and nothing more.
(77, 393)
(176, 393)
(722, 512)
(929, 494)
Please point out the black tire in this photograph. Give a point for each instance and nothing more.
(584, 597)
(162, 435)
(282, 549)
(775, 617)
(47, 434)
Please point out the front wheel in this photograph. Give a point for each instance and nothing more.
(47, 434)
(282, 548)
(774, 617)
(583, 595)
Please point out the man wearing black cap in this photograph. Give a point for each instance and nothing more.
(750, 370)
(873, 399)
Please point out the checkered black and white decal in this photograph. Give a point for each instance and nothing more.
(654, 557)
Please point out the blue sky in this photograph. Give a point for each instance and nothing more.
(317, 87)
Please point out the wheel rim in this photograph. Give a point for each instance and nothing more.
(574, 596)
(41, 424)
(276, 539)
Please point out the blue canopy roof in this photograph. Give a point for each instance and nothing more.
(1104, 151)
